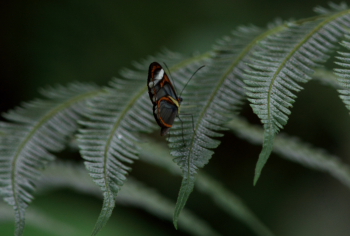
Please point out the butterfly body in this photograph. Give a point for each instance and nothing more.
(166, 103)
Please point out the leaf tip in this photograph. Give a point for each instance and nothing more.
(175, 219)
(256, 177)
(264, 155)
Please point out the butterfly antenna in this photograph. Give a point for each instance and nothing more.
(190, 79)
(166, 66)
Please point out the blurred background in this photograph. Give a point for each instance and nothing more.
(56, 42)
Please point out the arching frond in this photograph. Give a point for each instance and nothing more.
(107, 141)
(216, 94)
(34, 131)
(283, 62)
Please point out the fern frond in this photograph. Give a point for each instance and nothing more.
(108, 140)
(283, 62)
(34, 131)
(295, 150)
(216, 95)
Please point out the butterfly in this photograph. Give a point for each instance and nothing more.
(166, 103)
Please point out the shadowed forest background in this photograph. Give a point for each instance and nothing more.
(45, 43)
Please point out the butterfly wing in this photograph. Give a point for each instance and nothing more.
(163, 96)
(165, 114)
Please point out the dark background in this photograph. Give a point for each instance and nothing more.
(56, 42)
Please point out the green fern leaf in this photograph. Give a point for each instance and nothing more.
(221, 93)
(285, 60)
(107, 141)
(35, 130)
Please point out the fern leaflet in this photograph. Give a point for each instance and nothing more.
(107, 141)
(35, 130)
(285, 60)
(215, 95)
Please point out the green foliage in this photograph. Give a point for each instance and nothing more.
(267, 67)
(36, 129)
(282, 62)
